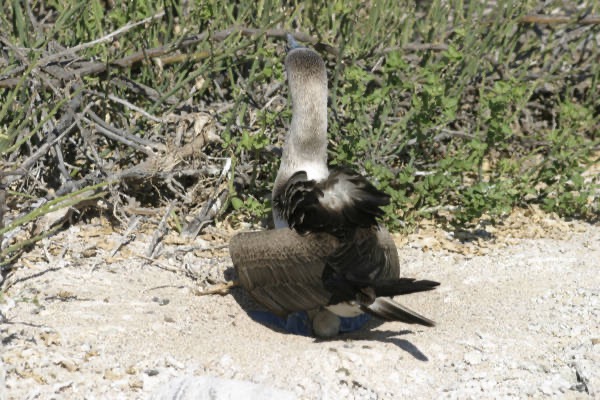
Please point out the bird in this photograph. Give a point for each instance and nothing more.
(328, 255)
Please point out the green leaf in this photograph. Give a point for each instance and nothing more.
(237, 203)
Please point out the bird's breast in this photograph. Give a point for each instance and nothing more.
(314, 171)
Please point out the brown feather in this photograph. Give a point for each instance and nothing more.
(283, 271)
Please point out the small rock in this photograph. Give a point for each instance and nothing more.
(113, 374)
(131, 370)
(136, 383)
(170, 361)
(588, 376)
(89, 252)
(61, 386)
(85, 347)
(90, 354)
(67, 364)
(50, 338)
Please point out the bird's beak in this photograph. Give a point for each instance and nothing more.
(291, 43)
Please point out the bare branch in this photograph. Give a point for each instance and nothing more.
(72, 50)
(558, 19)
(160, 231)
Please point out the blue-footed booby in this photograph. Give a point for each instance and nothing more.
(328, 256)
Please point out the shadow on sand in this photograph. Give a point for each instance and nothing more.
(357, 329)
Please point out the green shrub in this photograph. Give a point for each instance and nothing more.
(456, 109)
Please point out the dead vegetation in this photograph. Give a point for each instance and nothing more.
(144, 118)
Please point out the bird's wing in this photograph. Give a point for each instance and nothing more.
(344, 201)
(367, 257)
(352, 195)
(370, 262)
(284, 271)
(281, 269)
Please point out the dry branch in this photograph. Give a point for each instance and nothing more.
(64, 126)
(2, 207)
(558, 19)
(128, 236)
(71, 51)
(160, 232)
(85, 68)
(78, 69)
(140, 89)
(220, 289)
(211, 208)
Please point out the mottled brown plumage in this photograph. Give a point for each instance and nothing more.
(283, 271)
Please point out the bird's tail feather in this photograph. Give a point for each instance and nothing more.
(400, 286)
(387, 309)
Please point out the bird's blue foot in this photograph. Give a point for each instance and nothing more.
(299, 323)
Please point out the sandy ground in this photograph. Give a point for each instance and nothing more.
(518, 316)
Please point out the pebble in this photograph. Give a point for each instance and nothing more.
(69, 365)
(136, 383)
(170, 361)
(588, 374)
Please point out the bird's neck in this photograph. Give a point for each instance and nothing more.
(307, 138)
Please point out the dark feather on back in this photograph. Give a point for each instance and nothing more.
(339, 204)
